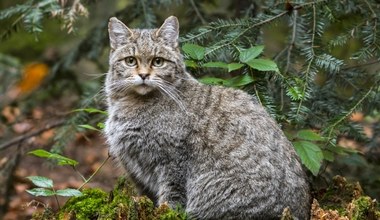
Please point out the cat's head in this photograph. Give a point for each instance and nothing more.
(143, 60)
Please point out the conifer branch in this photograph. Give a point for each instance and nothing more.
(308, 69)
(331, 128)
(371, 9)
(230, 42)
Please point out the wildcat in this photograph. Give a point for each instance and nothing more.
(214, 151)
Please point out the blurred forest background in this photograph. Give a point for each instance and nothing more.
(54, 56)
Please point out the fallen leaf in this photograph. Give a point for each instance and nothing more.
(33, 76)
(21, 127)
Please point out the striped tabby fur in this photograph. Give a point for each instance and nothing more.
(215, 151)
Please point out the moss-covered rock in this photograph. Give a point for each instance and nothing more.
(120, 204)
(341, 201)
(84, 207)
(344, 201)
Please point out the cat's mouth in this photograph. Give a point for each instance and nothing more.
(143, 88)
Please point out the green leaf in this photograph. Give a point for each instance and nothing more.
(250, 53)
(238, 81)
(101, 125)
(328, 155)
(342, 150)
(40, 192)
(196, 52)
(309, 135)
(216, 65)
(89, 127)
(61, 160)
(234, 66)
(212, 80)
(311, 155)
(263, 65)
(91, 110)
(41, 181)
(191, 63)
(68, 192)
(40, 153)
(229, 66)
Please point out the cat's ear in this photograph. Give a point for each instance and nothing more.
(118, 32)
(169, 30)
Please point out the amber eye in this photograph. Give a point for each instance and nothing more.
(131, 61)
(158, 61)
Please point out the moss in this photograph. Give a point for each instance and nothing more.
(120, 203)
(84, 207)
(343, 201)
(363, 208)
(339, 195)
(163, 212)
(47, 214)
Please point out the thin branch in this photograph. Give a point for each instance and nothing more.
(95, 172)
(211, 29)
(361, 65)
(244, 31)
(32, 134)
(289, 49)
(371, 9)
(331, 127)
(197, 12)
(77, 171)
(56, 198)
(292, 41)
(310, 62)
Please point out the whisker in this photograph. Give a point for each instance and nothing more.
(95, 75)
(169, 84)
(171, 94)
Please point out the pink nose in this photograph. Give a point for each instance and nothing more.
(143, 75)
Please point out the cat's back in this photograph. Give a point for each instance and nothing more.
(244, 157)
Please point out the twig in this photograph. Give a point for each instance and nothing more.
(197, 12)
(95, 172)
(247, 29)
(77, 171)
(370, 8)
(292, 41)
(361, 65)
(32, 134)
(56, 199)
(330, 129)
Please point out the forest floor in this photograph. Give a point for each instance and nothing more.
(88, 148)
(89, 154)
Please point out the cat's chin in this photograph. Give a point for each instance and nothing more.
(143, 89)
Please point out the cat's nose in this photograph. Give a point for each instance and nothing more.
(143, 75)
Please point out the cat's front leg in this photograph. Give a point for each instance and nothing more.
(172, 189)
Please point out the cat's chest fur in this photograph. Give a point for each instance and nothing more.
(146, 137)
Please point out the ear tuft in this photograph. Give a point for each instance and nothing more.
(118, 32)
(169, 30)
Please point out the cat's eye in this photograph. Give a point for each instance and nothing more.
(131, 61)
(158, 61)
